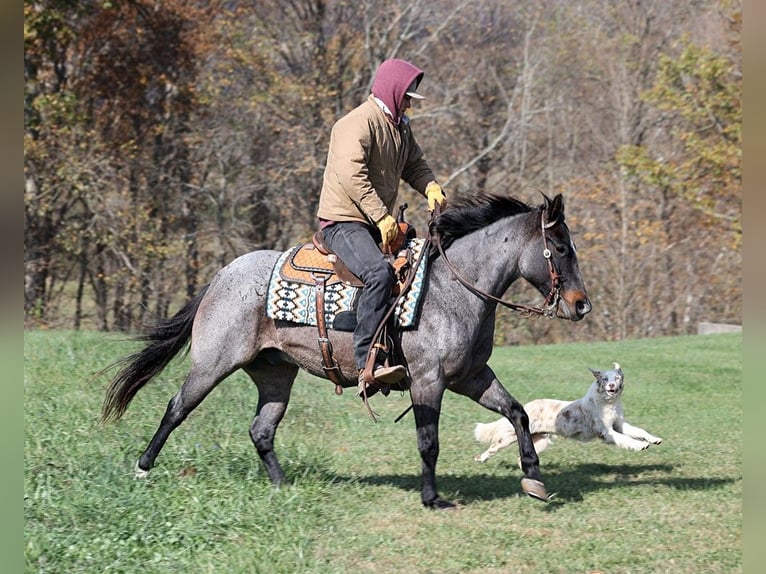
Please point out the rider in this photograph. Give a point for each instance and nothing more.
(371, 149)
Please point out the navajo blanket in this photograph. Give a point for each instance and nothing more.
(296, 302)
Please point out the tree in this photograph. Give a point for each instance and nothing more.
(164, 139)
(105, 150)
(54, 181)
(694, 165)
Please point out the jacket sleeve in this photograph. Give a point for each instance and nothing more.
(349, 151)
(417, 172)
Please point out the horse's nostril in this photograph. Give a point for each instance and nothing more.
(583, 307)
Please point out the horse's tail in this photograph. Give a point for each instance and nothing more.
(165, 340)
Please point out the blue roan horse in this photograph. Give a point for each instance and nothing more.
(489, 241)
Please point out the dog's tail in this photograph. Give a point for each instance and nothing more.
(486, 432)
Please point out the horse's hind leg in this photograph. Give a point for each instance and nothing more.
(197, 386)
(487, 390)
(274, 382)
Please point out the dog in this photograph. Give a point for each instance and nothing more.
(597, 415)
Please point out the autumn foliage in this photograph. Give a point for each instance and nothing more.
(163, 139)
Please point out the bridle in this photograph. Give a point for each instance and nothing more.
(551, 304)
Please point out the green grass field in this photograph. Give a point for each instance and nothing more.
(353, 500)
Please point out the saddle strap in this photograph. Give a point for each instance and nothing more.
(380, 333)
(329, 364)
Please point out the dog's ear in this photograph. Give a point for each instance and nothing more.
(596, 373)
(618, 369)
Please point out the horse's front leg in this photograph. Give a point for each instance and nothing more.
(487, 390)
(426, 406)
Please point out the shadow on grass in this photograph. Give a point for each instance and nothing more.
(569, 483)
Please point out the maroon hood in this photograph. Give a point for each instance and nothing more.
(391, 82)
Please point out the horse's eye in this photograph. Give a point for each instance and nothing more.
(561, 250)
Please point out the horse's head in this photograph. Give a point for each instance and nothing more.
(549, 262)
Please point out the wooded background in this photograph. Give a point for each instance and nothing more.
(163, 139)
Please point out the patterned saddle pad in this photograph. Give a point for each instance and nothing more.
(292, 290)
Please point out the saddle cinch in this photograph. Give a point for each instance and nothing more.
(316, 265)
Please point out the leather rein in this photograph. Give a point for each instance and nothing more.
(551, 304)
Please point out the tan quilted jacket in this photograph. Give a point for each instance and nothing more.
(368, 155)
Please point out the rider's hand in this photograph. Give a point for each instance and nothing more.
(388, 229)
(435, 195)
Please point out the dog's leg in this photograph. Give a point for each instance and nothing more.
(542, 441)
(483, 457)
(507, 438)
(638, 432)
(624, 441)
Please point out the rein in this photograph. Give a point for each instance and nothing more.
(551, 300)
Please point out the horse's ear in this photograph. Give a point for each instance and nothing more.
(554, 209)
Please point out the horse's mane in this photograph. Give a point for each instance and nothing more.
(468, 214)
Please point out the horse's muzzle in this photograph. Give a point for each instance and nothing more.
(576, 305)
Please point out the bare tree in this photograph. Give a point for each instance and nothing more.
(151, 164)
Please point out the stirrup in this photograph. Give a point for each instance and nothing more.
(367, 389)
(389, 375)
(382, 378)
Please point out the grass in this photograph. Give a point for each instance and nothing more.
(353, 500)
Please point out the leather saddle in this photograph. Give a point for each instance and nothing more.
(314, 264)
(314, 260)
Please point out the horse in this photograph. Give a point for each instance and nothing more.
(491, 239)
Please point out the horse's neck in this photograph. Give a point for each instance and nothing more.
(488, 258)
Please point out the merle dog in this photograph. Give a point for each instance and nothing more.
(597, 415)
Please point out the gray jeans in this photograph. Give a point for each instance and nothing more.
(357, 245)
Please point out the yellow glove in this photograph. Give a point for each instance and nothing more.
(388, 229)
(435, 195)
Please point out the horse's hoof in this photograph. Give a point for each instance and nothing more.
(535, 489)
(139, 472)
(440, 504)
